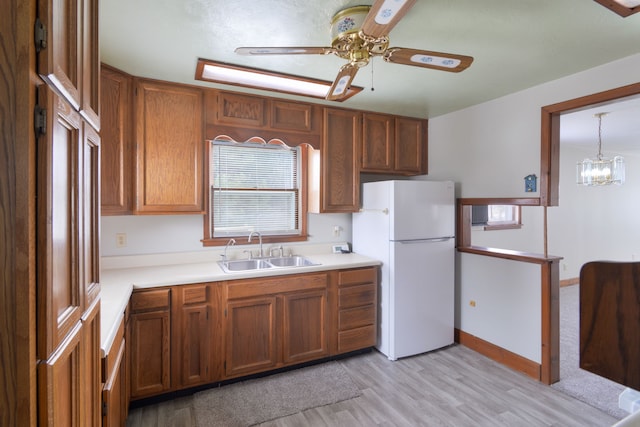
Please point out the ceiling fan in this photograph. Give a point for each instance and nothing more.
(361, 32)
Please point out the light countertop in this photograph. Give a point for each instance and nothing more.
(117, 284)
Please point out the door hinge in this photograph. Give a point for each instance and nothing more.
(104, 409)
(40, 35)
(225, 312)
(40, 120)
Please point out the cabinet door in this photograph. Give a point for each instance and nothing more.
(378, 142)
(59, 293)
(240, 110)
(116, 134)
(192, 335)
(60, 62)
(304, 332)
(150, 353)
(114, 392)
(90, 218)
(91, 377)
(170, 148)
(339, 158)
(60, 384)
(251, 336)
(411, 146)
(90, 101)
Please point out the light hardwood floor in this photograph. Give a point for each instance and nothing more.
(451, 387)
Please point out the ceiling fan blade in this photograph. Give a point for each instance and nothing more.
(428, 59)
(284, 50)
(341, 84)
(384, 15)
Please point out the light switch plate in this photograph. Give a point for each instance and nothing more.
(338, 249)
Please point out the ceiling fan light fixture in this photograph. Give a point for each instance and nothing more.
(219, 72)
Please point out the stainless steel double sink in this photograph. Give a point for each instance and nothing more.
(241, 265)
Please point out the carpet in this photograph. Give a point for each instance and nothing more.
(592, 389)
(255, 401)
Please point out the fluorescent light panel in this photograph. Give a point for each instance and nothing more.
(219, 72)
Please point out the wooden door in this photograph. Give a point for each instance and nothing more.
(91, 380)
(170, 148)
(304, 326)
(410, 146)
(117, 136)
(60, 293)
(90, 98)
(114, 396)
(251, 336)
(339, 153)
(192, 335)
(378, 142)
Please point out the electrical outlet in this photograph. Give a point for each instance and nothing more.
(121, 240)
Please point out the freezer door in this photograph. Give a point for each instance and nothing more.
(421, 296)
(422, 209)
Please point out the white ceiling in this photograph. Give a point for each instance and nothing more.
(516, 44)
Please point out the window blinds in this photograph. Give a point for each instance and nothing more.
(254, 187)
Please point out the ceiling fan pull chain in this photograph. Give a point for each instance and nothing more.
(372, 88)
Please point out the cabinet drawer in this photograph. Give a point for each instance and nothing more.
(194, 294)
(354, 296)
(356, 339)
(356, 317)
(150, 300)
(355, 277)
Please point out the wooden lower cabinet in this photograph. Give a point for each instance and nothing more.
(190, 335)
(115, 396)
(357, 309)
(274, 322)
(150, 343)
(251, 336)
(304, 326)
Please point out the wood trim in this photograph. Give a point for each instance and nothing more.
(569, 282)
(529, 257)
(550, 318)
(550, 135)
(499, 354)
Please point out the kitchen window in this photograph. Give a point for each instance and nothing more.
(496, 217)
(255, 186)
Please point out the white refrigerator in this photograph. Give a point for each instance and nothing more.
(409, 226)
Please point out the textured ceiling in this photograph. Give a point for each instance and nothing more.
(516, 44)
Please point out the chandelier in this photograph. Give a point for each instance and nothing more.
(600, 170)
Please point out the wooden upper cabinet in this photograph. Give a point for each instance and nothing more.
(394, 145)
(242, 116)
(339, 153)
(411, 149)
(169, 148)
(117, 148)
(378, 142)
(240, 110)
(69, 60)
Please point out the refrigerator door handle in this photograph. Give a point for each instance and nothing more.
(439, 239)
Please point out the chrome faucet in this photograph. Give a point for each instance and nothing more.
(231, 242)
(276, 248)
(259, 238)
